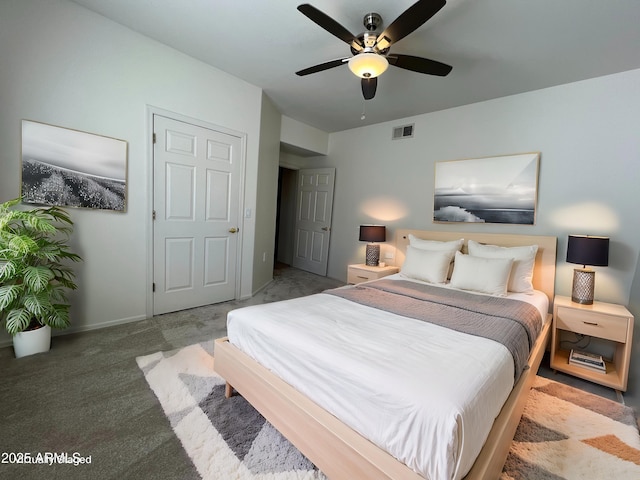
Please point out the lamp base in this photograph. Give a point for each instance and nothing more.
(583, 286)
(373, 255)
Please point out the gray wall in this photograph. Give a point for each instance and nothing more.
(587, 133)
(633, 394)
(67, 66)
(267, 193)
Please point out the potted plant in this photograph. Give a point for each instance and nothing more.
(34, 274)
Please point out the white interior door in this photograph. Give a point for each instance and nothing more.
(196, 199)
(314, 206)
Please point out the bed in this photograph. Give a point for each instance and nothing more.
(345, 448)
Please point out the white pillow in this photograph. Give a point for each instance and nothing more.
(452, 247)
(523, 261)
(480, 274)
(426, 265)
(435, 245)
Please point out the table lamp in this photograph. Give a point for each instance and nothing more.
(372, 234)
(586, 250)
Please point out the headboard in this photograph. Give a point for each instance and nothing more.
(544, 270)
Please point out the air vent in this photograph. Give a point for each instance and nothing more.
(405, 131)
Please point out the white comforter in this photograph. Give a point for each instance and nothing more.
(426, 394)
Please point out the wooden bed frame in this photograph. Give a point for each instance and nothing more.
(340, 452)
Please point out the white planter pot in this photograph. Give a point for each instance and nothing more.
(32, 341)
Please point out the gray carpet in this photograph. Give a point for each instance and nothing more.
(87, 395)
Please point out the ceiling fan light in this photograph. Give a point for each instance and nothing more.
(383, 43)
(368, 65)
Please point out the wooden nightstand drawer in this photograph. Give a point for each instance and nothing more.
(593, 324)
(363, 273)
(357, 276)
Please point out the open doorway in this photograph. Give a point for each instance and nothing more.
(285, 215)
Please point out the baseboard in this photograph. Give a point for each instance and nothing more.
(97, 326)
(84, 328)
(258, 290)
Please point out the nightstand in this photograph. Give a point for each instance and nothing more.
(362, 273)
(606, 321)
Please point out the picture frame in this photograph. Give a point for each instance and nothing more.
(501, 189)
(71, 168)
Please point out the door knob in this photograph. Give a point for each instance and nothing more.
(234, 230)
(326, 229)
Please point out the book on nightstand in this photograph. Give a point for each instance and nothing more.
(587, 360)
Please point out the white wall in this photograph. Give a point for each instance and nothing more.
(587, 133)
(267, 192)
(305, 137)
(64, 65)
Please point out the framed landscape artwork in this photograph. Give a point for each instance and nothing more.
(71, 168)
(499, 189)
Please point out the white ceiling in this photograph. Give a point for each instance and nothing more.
(496, 48)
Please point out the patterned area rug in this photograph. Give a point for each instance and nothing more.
(564, 433)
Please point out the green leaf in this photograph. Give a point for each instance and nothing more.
(9, 294)
(37, 278)
(41, 224)
(22, 244)
(7, 270)
(58, 316)
(50, 251)
(18, 320)
(4, 207)
(37, 303)
(59, 215)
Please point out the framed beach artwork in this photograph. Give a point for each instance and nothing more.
(70, 168)
(499, 189)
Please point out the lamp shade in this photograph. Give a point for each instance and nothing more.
(368, 65)
(373, 233)
(588, 250)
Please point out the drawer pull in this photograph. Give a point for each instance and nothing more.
(360, 276)
(590, 323)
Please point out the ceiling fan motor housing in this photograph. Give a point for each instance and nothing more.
(372, 21)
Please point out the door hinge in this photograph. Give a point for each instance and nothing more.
(154, 137)
(153, 287)
(153, 215)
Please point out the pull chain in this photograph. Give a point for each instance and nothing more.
(364, 107)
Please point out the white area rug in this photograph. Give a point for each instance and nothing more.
(564, 433)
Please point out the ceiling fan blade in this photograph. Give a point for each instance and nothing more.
(330, 25)
(420, 65)
(322, 66)
(412, 18)
(369, 86)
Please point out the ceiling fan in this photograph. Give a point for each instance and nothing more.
(370, 49)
